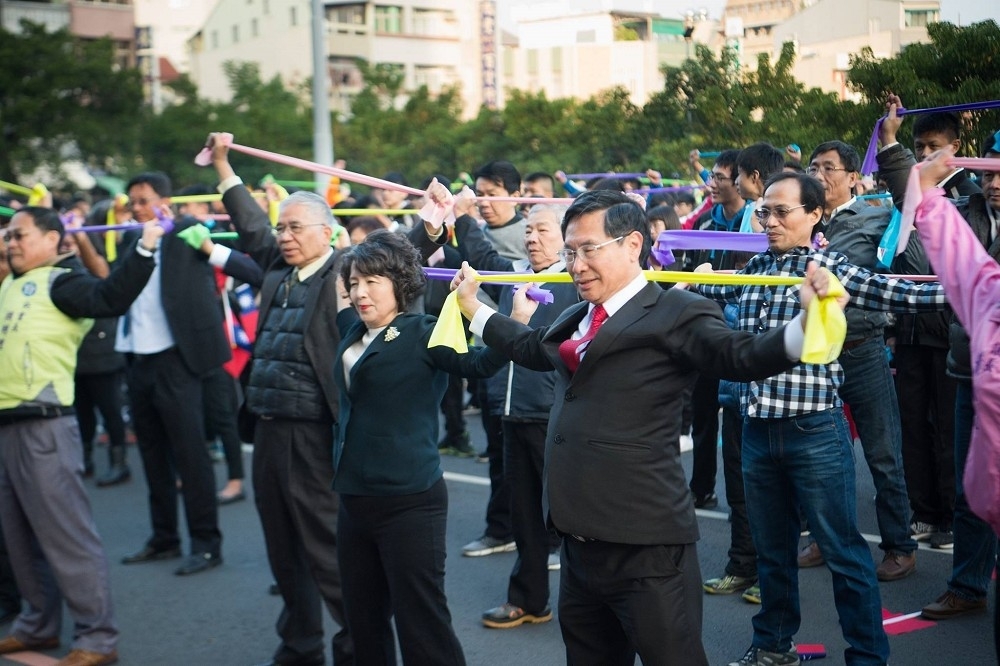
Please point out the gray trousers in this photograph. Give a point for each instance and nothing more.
(51, 537)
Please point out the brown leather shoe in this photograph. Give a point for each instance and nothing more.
(896, 565)
(87, 658)
(15, 644)
(950, 605)
(810, 556)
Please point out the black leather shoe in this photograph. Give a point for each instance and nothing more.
(230, 499)
(317, 660)
(198, 562)
(149, 554)
(115, 475)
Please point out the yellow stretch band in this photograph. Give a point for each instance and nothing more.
(657, 276)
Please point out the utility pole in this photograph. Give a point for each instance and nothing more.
(322, 132)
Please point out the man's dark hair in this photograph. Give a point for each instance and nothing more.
(685, 197)
(763, 158)
(794, 165)
(727, 158)
(946, 123)
(660, 199)
(367, 223)
(392, 256)
(608, 184)
(812, 195)
(500, 173)
(848, 154)
(395, 177)
(622, 216)
(540, 175)
(444, 180)
(157, 180)
(991, 144)
(46, 219)
(197, 188)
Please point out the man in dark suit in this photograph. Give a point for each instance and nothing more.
(614, 485)
(173, 334)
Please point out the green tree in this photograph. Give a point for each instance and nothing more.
(62, 97)
(957, 65)
(261, 114)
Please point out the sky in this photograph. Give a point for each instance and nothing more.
(961, 12)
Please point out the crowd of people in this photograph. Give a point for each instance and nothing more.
(308, 335)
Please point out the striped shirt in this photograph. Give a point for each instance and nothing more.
(808, 388)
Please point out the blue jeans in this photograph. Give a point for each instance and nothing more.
(869, 390)
(808, 461)
(975, 552)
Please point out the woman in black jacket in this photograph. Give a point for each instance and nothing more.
(394, 502)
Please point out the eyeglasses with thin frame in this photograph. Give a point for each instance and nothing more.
(827, 169)
(294, 228)
(780, 213)
(714, 175)
(585, 251)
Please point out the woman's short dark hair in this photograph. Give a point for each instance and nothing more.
(392, 256)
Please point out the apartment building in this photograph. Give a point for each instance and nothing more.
(436, 43)
(580, 54)
(89, 19)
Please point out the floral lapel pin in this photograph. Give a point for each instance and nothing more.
(391, 334)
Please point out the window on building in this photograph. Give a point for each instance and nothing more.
(254, 28)
(920, 18)
(532, 61)
(215, 39)
(236, 34)
(557, 61)
(294, 15)
(265, 5)
(346, 14)
(508, 62)
(586, 36)
(388, 18)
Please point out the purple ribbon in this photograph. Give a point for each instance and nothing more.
(537, 294)
(870, 165)
(606, 174)
(684, 239)
(675, 188)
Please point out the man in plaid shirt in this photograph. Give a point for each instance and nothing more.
(796, 444)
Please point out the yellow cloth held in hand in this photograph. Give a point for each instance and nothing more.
(449, 332)
(38, 192)
(273, 207)
(826, 326)
(111, 237)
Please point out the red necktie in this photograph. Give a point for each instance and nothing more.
(571, 350)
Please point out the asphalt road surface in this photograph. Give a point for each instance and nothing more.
(225, 616)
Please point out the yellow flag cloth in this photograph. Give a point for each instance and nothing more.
(826, 326)
(111, 237)
(449, 332)
(38, 193)
(274, 206)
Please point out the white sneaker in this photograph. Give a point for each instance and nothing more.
(555, 564)
(487, 545)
